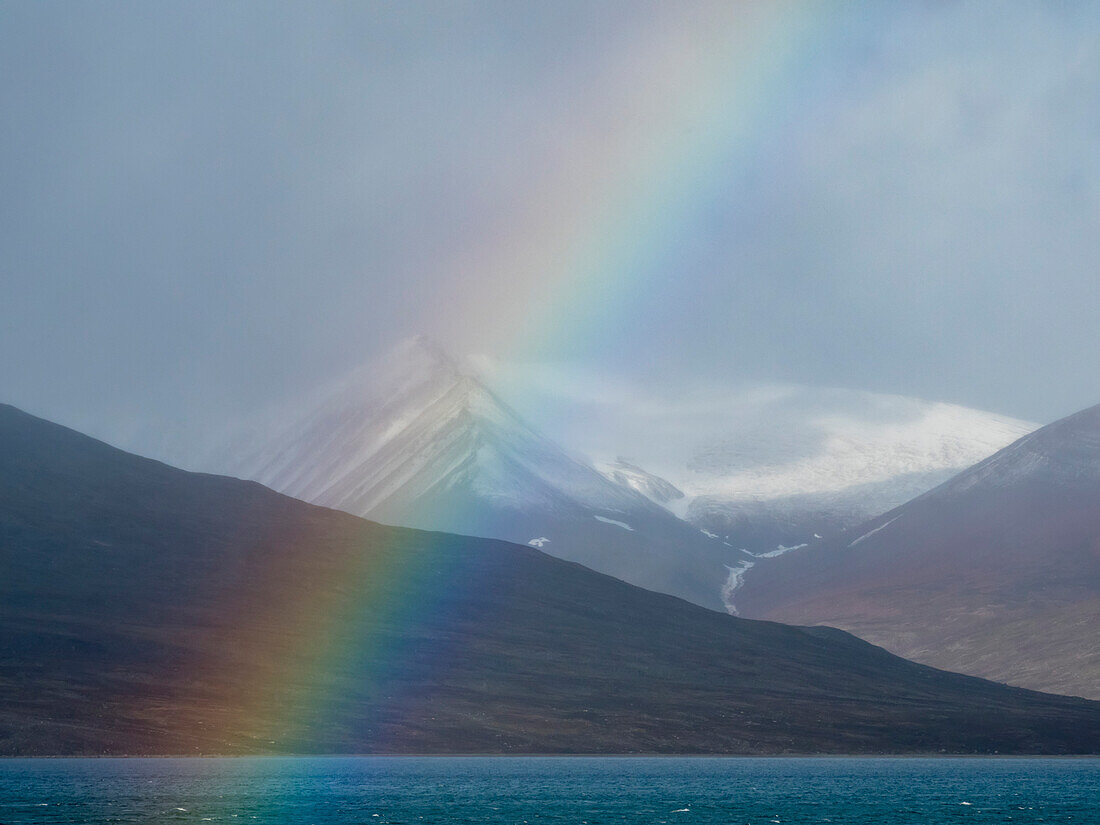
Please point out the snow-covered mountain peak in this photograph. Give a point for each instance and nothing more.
(411, 425)
(419, 351)
(414, 362)
(413, 439)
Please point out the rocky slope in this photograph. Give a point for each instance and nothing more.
(995, 572)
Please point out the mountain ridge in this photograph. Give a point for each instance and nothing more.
(761, 465)
(700, 488)
(146, 609)
(996, 572)
(414, 440)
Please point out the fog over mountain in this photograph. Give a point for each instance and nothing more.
(200, 221)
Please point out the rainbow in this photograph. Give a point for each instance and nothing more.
(697, 91)
(702, 92)
(329, 602)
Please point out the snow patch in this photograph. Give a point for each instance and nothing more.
(541, 541)
(733, 583)
(779, 551)
(622, 524)
(870, 533)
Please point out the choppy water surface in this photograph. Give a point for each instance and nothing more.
(685, 791)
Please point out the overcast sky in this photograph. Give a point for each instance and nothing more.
(205, 208)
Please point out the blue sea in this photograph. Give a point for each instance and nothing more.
(575, 790)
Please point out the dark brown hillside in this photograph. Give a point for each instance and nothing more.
(995, 573)
(144, 609)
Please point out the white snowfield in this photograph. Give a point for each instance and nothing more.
(775, 451)
(879, 452)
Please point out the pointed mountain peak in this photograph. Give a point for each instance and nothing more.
(416, 364)
(421, 347)
(419, 355)
(422, 362)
